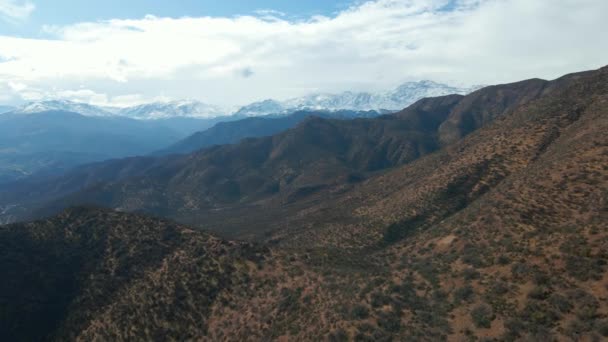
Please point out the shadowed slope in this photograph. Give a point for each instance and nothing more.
(232, 132)
(113, 275)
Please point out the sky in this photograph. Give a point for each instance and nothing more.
(232, 53)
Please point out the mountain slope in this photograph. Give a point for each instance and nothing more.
(291, 167)
(498, 236)
(501, 236)
(87, 270)
(509, 225)
(316, 154)
(235, 131)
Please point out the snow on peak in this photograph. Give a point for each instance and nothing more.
(171, 109)
(149, 111)
(62, 105)
(393, 100)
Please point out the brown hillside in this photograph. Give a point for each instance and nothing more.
(501, 235)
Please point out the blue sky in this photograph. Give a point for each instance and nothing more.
(230, 53)
(65, 12)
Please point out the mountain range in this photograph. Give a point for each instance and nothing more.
(394, 100)
(276, 171)
(231, 132)
(150, 111)
(167, 124)
(54, 141)
(461, 217)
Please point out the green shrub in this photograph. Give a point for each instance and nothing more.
(503, 260)
(583, 268)
(560, 302)
(360, 312)
(339, 335)
(389, 321)
(482, 316)
(538, 314)
(470, 274)
(465, 293)
(379, 299)
(539, 293)
(602, 327)
(402, 229)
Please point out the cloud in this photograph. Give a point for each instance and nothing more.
(13, 10)
(371, 45)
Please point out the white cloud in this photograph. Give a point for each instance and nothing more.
(12, 10)
(376, 44)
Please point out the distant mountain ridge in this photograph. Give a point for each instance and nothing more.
(394, 100)
(65, 106)
(56, 140)
(164, 110)
(149, 111)
(231, 132)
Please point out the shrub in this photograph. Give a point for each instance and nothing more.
(470, 274)
(390, 322)
(539, 314)
(586, 304)
(339, 335)
(515, 328)
(402, 229)
(577, 328)
(464, 293)
(602, 327)
(539, 293)
(483, 315)
(541, 278)
(560, 302)
(583, 268)
(503, 260)
(290, 299)
(498, 288)
(520, 270)
(379, 299)
(360, 312)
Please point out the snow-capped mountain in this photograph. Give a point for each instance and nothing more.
(64, 105)
(262, 108)
(163, 110)
(393, 100)
(150, 111)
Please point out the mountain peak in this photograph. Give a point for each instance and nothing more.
(148, 111)
(394, 100)
(170, 109)
(62, 105)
